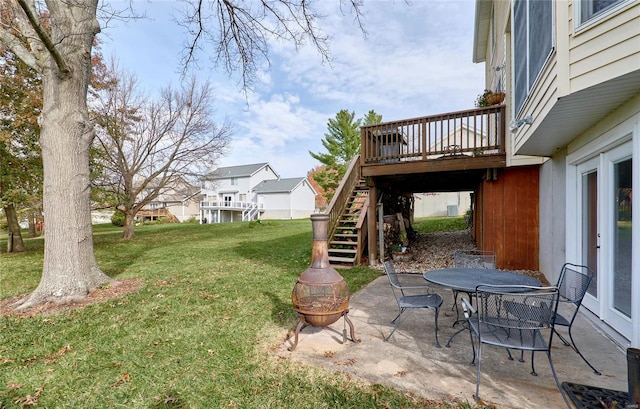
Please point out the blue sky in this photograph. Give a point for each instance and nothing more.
(415, 61)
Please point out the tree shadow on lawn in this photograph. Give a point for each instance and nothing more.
(290, 254)
(282, 313)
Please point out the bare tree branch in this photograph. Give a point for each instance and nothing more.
(44, 37)
(240, 31)
(147, 146)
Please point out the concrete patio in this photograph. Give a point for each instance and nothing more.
(410, 360)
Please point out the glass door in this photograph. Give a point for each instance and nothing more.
(589, 233)
(617, 212)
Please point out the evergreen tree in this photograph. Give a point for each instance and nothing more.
(342, 143)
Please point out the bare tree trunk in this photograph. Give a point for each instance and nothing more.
(14, 229)
(70, 268)
(128, 230)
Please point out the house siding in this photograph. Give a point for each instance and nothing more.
(297, 204)
(506, 217)
(583, 57)
(605, 49)
(437, 204)
(585, 105)
(553, 215)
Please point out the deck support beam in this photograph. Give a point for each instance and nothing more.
(371, 222)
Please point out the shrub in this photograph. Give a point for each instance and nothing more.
(118, 218)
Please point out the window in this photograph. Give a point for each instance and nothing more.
(593, 8)
(234, 181)
(532, 44)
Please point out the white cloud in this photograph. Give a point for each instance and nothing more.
(416, 61)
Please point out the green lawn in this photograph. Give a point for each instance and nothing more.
(200, 333)
(438, 224)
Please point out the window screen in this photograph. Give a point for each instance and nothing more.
(533, 42)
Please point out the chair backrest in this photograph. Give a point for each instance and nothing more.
(392, 275)
(517, 306)
(573, 283)
(394, 280)
(474, 259)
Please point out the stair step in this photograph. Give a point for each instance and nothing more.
(345, 235)
(343, 243)
(341, 259)
(343, 251)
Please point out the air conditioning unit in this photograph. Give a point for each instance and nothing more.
(452, 210)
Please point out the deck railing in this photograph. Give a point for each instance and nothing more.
(230, 205)
(473, 132)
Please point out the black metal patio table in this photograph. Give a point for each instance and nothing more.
(467, 279)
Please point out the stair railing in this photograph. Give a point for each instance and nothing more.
(250, 213)
(342, 194)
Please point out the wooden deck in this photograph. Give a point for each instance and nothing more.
(449, 144)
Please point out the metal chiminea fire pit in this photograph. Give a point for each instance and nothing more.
(321, 296)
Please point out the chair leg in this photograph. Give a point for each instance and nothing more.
(455, 300)
(477, 394)
(437, 342)
(533, 369)
(564, 341)
(395, 321)
(397, 316)
(575, 347)
(473, 348)
(555, 376)
(391, 333)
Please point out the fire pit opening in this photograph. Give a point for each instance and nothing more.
(320, 296)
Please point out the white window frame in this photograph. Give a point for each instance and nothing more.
(599, 16)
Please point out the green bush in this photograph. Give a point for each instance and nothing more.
(118, 218)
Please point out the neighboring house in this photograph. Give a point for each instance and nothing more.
(177, 203)
(463, 138)
(571, 70)
(239, 193)
(292, 198)
(448, 204)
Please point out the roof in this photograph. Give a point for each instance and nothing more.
(237, 171)
(482, 23)
(280, 185)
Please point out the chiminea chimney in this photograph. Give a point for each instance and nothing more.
(320, 296)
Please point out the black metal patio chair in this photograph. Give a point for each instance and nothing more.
(471, 259)
(424, 298)
(573, 284)
(512, 317)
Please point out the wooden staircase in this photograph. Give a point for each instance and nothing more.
(345, 245)
(347, 211)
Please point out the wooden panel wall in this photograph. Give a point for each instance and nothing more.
(506, 217)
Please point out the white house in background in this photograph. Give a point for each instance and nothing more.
(291, 198)
(442, 204)
(179, 202)
(238, 193)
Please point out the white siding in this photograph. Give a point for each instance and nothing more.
(298, 204)
(436, 204)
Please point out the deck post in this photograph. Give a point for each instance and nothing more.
(371, 223)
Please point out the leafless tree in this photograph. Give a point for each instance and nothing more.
(147, 148)
(60, 37)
